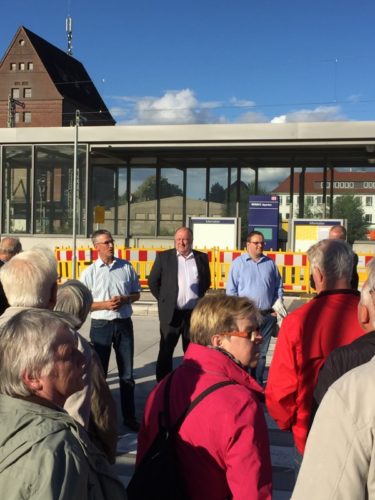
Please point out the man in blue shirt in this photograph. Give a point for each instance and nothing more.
(114, 286)
(256, 276)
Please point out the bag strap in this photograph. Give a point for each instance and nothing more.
(175, 428)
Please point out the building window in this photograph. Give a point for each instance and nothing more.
(17, 117)
(21, 66)
(27, 93)
(368, 217)
(13, 66)
(310, 200)
(288, 200)
(21, 42)
(287, 216)
(319, 200)
(15, 93)
(27, 117)
(30, 66)
(368, 201)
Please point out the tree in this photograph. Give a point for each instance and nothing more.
(147, 190)
(217, 193)
(350, 207)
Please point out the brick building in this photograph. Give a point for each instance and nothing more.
(50, 84)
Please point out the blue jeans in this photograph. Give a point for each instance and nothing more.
(119, 333)
(266, 330)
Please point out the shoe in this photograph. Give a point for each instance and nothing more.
(132, 424)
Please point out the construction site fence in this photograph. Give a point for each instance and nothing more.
(293, 266)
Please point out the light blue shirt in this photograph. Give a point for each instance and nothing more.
(105, 281)
(258, 280)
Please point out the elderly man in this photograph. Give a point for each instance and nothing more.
(114, 286)
(347, 357)
(222, 446)
(30, 282)
(178, 278)
(45, 453)
(254, 275)
(339, 233)
(339, 457)
(309, 334)
(9, 247)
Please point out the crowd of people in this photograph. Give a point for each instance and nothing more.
(59, 420)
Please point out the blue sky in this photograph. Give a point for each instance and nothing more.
(221, 61)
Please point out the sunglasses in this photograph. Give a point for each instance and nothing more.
(254, 336)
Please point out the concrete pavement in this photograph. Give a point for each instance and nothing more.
(146, 329)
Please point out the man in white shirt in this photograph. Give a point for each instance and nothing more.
(178, 278)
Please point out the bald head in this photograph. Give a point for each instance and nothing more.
(9, 247)
(337, 233)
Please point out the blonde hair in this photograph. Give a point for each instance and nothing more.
(219, 313)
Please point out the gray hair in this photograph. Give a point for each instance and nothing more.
(29, 277)
(99, 232)
(334, 258)
(27, 345)
(74, 298)
(369, 285)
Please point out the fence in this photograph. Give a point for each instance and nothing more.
(293, 266)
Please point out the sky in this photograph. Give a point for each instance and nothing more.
(205, 61)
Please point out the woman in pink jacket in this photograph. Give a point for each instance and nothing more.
(222, 445)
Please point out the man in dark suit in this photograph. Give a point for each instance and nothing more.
(178, 278)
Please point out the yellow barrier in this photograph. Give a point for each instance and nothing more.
(293, 266)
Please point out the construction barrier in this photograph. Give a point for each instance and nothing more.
(293, 266)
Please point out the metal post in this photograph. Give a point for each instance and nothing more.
(74, 257)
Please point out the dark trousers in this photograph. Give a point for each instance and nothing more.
(119, 333)
(266, 329)
(169, 335)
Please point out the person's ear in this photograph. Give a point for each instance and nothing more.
(363, 314)
(216, 340)
(33, 383)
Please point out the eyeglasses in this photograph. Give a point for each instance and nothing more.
(107, 242)
(254, 336)
(262, 243)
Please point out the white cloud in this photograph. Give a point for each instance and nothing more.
(319, 114)
(252, 117)
(241, 103)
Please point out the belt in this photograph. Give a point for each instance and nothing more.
(115, 320)
(265, 312)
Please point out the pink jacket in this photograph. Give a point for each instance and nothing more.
(223, 446)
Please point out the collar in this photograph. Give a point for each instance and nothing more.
(100, 263)
(341, 291)
(187, 257)
(262, 257)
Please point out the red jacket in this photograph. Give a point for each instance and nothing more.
(223, 446)
(306, 338)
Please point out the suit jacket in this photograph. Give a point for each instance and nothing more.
(163, 280)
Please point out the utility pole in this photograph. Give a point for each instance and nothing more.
(12, 103)
(75, 164)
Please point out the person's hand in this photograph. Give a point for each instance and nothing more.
(115, 303)
(279, 308)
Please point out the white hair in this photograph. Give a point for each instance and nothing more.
(334, 258)
(27, 345)
(29, 277)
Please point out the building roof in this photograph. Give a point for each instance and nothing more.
(358, 182)
(70, 78)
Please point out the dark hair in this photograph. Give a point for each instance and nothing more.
(254, 233)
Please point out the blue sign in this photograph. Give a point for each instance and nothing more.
(263, 216)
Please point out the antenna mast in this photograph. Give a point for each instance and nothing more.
(69, 32)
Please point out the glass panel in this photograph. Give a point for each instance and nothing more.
(16, 189)
(196, 204)
(109, 190)
(54, 189)
(143, 202)
(171, 200)
(218, 194)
